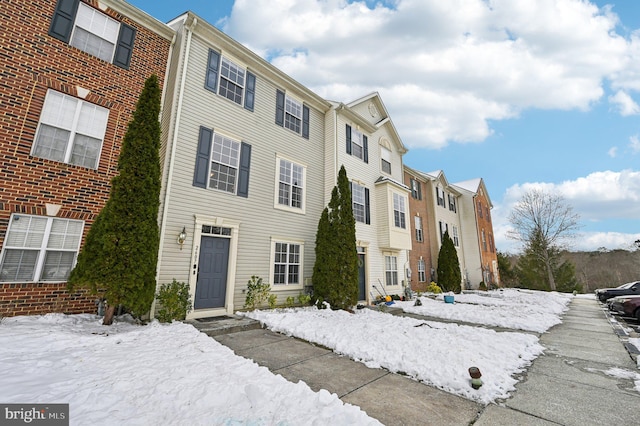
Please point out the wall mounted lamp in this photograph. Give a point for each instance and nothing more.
(182, 237)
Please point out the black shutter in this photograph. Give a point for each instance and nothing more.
(250, 94)
(279, 108)
(243, 173)
(201, 173)
(124, 46)
(348, 139)
(367, 209)
(63, 19)
(305, 121)
(365, 148)
(419, 189)
(213, 65)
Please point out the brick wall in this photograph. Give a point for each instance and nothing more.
(419, 249)
(31, 62)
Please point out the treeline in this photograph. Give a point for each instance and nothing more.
(595, 269)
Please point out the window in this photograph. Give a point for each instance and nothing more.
(92, 31)
(39, 248)
(452, 203)
(292, 114)
(230, 80)
(479, 209)
(422, 275)
(416, 190)
(357, 144)
(488, 216)
(287, 263)
(456, 241)
(418, 225)
(484, 241)
(385, 154)
(491, 246)
(399, 211)
(443, 228)
(222, 163)
(391, 270)
(291, 184)
(440, 197)
(70, 130)
(359, 205)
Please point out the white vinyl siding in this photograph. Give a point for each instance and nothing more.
(70, 130)
(39, 248)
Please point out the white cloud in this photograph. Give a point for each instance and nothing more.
(624, 104)
(446, 69)
(634, 144)
(598, 197)
(613, 151)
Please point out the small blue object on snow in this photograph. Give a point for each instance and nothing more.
(448, 299)
(389, 303)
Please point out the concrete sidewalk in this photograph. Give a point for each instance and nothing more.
(567, 385)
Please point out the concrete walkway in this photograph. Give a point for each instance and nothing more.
(567, 385)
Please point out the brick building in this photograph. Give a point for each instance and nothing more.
(70, 75)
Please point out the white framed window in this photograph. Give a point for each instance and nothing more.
(391, 270)
(456, 241)
(357, 144)
(422, 275)
(452, 203)
(293, 114)
(232, 81)
(399, 211)
(287, 263)
(359, 202)
(70, 130)
(95, 33)
(39, 248)
(385, 155)
(484, 241)
(418, 226)
(440, 197)
(224, 164)
(291, 181)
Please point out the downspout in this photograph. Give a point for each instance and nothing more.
(174, 143)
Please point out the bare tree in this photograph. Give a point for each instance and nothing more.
(543, 222)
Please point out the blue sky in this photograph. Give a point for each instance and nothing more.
(535, 93)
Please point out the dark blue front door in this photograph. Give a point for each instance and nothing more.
(361, 278)
(211, 285)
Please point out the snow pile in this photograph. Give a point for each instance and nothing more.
(154, 374)
(435, 353)
(509, 308)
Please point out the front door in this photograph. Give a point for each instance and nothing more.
(211, 284)
(361, 278)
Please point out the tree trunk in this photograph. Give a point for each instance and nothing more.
(108, 315)
(547, 263)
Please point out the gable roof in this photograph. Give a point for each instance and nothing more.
(475, 186)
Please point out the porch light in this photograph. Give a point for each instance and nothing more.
(182, 237)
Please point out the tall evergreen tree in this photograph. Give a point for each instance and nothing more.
(120, 254)
(449, 275)
(335, 272)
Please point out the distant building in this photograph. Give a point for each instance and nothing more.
(477, 232)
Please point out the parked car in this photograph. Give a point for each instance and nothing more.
(629, 306)
(628, 289)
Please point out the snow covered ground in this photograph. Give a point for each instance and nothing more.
(435, 353)
(172, 374)
(509, 308)
(159, 374)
